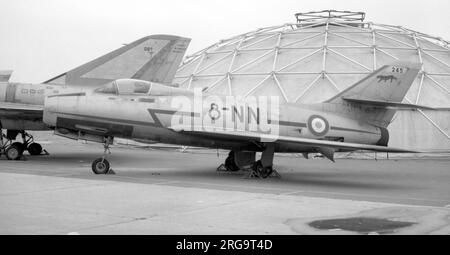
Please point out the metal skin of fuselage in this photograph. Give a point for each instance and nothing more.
(27, 94)
(149, 117)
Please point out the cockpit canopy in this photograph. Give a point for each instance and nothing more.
(139, 87)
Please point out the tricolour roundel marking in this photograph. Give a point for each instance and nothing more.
(318, 125)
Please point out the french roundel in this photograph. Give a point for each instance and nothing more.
(318, 125)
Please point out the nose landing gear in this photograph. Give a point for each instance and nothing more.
(101, 165)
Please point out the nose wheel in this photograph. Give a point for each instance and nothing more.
(101, 165)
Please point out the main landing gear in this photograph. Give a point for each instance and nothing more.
(101, 165)
(14, 150)
(262, 168)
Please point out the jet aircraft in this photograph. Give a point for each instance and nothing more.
(355, 119)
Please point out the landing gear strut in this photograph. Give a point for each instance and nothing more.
(14, 150)
(239, 160)
(101, 165)
(230, 163)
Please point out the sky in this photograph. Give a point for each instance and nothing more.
(44, 38)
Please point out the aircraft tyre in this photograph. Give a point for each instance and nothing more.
(261, 171)
(14, 152)
(34, 149)
(100, 166)
(230, 163)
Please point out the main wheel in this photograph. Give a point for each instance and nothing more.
(14, 151)
(34, 149)
(262, 172)
(100, 166)
(230, 163)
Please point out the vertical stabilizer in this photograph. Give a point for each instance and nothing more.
(390, 84)
(154, 58)
(5, 75)
(379, 94)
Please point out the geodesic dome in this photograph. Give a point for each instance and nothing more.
(320, 55)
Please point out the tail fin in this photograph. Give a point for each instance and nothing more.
(385, 87)
(154, 58)
(5, 75)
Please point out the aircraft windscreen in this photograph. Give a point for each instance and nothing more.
(110, 88)
(130, 86)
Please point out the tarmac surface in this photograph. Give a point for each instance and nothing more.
(166, 191)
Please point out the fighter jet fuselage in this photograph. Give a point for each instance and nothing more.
(160, 115)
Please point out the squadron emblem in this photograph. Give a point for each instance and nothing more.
(385, 78)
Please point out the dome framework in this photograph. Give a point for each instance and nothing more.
(320, 55)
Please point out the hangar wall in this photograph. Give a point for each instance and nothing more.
(323, 53)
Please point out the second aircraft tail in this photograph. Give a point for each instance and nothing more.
(154, 58)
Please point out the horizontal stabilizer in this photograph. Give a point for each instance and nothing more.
(386, 104)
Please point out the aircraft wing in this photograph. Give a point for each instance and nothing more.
(21, 111)
(323, 146)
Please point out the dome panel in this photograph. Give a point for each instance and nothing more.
(215, 64)
(414, 131)
(288, 57)
(434, 65)
(343, 60)
(403, 54)
(294, 85)
(385, 40)
(244, 58)
(219, 86)
(262, 64)
(413, 91)
(228, 46)
(433, 95)
(321, 91)
(361, 39)
(404, 40)
(188, 68)
(269, 88)
(441, 81)
(346, 40)
(290, 39)
(261, 42)
(242, 84)
(315, 41)
(426, 44)
(310, 64)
